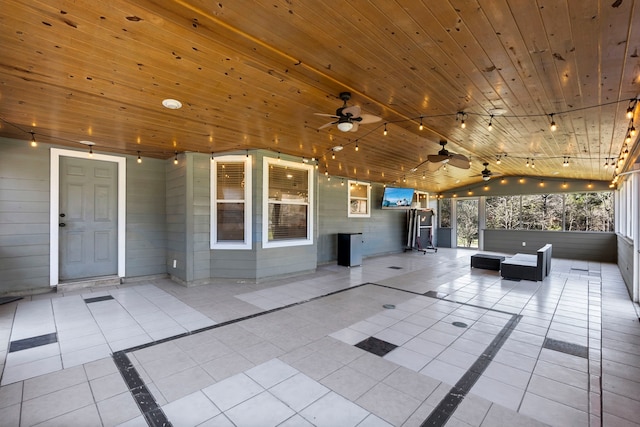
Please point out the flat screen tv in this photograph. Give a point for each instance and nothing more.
(397, 198)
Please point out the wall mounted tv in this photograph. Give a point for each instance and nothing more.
(397, 198)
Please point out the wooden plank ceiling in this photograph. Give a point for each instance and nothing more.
(252, 74)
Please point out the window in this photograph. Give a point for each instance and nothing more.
(420, 200)
(231, 202)
(288, 199)
(359, 200)
(445, 213)
(569, 212)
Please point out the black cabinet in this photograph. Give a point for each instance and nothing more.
(350, 249)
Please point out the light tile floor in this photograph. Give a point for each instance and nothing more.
(283, 353)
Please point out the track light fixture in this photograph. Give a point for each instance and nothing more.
(461, 115)
(553, 125)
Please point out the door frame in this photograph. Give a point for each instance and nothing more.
(54, 208)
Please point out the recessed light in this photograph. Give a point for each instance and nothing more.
(172, 104)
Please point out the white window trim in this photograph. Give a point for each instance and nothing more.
(266, 163)
(354, 214)
(246, 244)
(422, 193)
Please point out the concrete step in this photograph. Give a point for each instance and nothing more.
(92, 282)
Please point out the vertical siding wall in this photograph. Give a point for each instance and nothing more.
(384, 232)
(625, 261)
(587, 246)
(146, 218)
(24, 217)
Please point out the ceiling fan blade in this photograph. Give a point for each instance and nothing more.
(459, 161)
(432, 167)
(436, 158)
(327, 125)
(355, 127)
(327, 115)
(354, 110)
(369, 118)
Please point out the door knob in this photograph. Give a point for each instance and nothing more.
(62, 224)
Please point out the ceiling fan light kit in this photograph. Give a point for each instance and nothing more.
(348, 117)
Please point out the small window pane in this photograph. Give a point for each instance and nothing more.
(287, 221)
(288, 184)
(230, 181)
(230, 222)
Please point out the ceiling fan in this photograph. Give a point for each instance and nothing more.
(349, 118)
(486, 174)
(444, 156)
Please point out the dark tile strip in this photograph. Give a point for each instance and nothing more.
(376, 346)
(566, 347)
(98, 299)
(32, 342)
(152, 413)
(448, 405)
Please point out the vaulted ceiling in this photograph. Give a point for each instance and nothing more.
(251, 75)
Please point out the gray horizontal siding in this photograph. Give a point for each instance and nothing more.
(146, 218)
(24, 217)
(587, 246)
(382, 233)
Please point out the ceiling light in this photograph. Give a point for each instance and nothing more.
(33, 139)
(552, 126)
(385, 130)
(631, 108)
(172, 104)
(632, 131)
(345, 125)
(175, 159)
(486, 177)
(490, 127)
(421, 125)
(338, 148)
(139, 158)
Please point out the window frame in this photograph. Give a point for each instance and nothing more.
(246, 244)
(367, 199)
(267, 162)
